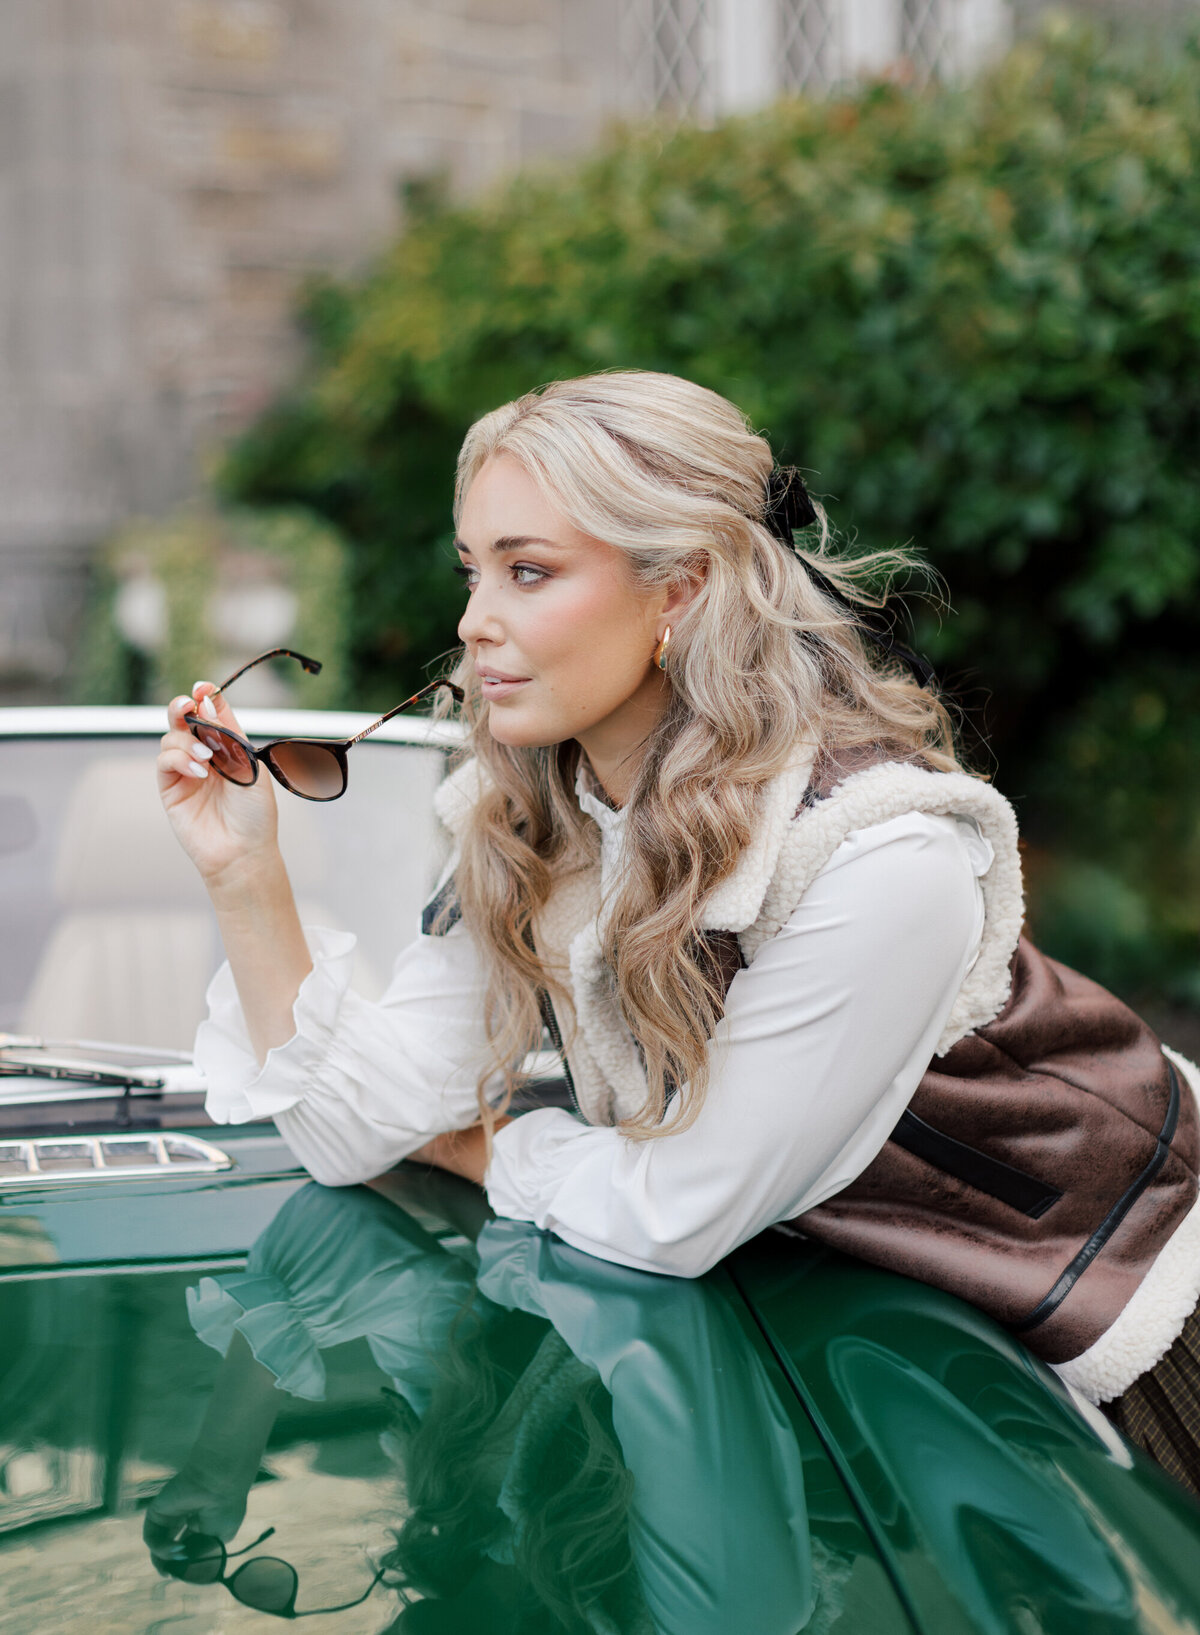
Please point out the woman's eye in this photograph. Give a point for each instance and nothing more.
(523, 574)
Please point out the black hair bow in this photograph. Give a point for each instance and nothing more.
(788, 509)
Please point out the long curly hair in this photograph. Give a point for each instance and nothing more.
(762, 662)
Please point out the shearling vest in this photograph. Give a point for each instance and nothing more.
(1042, 1165)
(1048, 1159)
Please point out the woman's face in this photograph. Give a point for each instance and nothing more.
(561, 637)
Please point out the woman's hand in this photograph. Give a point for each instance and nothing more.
(230, 833)
(191, 1504)
(220, 825)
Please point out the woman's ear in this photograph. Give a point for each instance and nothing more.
(688, 585)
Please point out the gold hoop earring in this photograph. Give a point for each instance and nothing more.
(660, 652)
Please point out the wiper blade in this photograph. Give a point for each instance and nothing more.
(30, 1041)
(18, 1067)
(28, 1056)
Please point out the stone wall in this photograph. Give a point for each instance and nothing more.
(169, 171)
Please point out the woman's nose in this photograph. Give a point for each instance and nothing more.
(479, 621)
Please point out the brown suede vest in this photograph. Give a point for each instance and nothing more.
(1043, 1162)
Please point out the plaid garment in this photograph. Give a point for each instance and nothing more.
(1160, 1412)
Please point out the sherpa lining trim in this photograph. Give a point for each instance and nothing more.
(1161, 1304)
(455, 796)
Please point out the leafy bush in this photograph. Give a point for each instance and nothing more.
(973, 317)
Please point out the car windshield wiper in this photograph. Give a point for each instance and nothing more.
(19, 1067)
(33, 1041)
(25, 1056)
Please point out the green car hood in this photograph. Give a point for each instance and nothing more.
(525, 1438)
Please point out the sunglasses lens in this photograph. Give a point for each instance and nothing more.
(205, 1559)
(265, 1583)
(309, 769)
(228, 756)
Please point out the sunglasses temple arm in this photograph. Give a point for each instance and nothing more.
(231, 1554)
(313, 666)
(312, 1612)
(407, 705)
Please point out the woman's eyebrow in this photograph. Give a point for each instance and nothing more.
(510, 542)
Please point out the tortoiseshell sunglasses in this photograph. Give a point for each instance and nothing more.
(266, 1583)
(313, 768)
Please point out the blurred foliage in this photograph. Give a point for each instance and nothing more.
(191, 556)
(972, 316)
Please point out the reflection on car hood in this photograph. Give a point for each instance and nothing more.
(551, 1442)
(529, 1440)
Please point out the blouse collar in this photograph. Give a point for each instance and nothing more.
(609, 819)
(595, 802)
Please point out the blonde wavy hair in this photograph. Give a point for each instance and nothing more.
(761, 662)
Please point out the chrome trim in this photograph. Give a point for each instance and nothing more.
(60, 1072)
(144, 720)
(123, 1269)
(36, 1161)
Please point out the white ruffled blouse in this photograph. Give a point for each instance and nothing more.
(825, 1037)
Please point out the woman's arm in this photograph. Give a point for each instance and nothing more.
(460, 1152)
(229, 833)
(353, 1086)
(360, 1084)
(825, 1038)
(209, 1493)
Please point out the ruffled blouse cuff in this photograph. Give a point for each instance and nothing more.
(528, 1161)
(238, 1088)
(259, 1307)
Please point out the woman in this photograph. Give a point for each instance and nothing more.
(717, 838)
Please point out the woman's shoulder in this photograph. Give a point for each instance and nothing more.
(876, 793)
(856, 786)
(919, 840)
(864, 792)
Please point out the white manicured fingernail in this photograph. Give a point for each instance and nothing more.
(200, 751)
(197, 770)
(206, 709)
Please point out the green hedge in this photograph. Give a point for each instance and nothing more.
(188, 553)
(973, 317)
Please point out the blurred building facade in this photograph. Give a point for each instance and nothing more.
(170, 169)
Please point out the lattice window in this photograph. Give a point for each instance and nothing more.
(697, 58)
(928, 39)
(809, 56)
(669, 51)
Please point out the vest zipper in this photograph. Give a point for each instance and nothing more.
(551, 1025)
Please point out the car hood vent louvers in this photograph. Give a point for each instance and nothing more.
(51, 1160)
